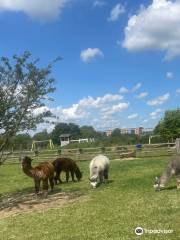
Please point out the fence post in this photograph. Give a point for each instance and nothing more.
(177, 145)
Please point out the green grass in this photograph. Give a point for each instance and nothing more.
(111, 211)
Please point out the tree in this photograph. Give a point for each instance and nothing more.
(41, 136)
(64, 128)
(21, 141)
(116, 132)
(74, 130)
(88, 132)
(24, 87)
(169, 127)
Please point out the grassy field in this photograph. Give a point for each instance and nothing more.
(111, 211)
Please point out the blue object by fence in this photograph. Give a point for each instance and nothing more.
(139, 146)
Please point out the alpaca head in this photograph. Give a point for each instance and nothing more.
(157, 185)
(25, 162)
(93, 182)
(156, 182)
(78, 174)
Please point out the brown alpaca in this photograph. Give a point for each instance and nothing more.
(67, 165)
(42, 172)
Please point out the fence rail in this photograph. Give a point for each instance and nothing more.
(117, 152)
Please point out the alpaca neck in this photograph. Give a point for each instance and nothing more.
(28, 171)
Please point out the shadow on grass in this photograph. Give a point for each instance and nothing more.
(110, 181)
(169, 188)
(27, 199)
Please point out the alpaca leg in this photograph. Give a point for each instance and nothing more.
(45, 187)
(59, 179)
(37, 185)
(51, 181)
(56, 178)
(101, 178)
(67, 176)
(72, 175)
(106, 175)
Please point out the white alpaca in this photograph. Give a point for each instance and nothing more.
(99, 167)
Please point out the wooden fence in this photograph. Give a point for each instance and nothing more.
(118, 152)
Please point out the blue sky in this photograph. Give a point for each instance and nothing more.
(121, 59)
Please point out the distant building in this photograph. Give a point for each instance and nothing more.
(139, 130)
(65, 139)
(136, 131)
(108, 133)
(133, 130)
(124, 131)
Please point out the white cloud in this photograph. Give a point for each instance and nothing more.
(159, 100)
(43, 10)
(116, 12)
(89, 54)
(123, 89)
(116, 108)
(169, 75)
(40, 110)
(142, 95)
(178, 91)
(74, 112)
(89, 108)
(156, 113)
(133, 116)
(136, 87)
(99, 3)
(99, 102)
(156, 27)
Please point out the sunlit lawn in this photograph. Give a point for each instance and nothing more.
(111, 211)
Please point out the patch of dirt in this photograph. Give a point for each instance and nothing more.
(23, 203)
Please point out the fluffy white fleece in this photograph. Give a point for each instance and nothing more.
(97, 166)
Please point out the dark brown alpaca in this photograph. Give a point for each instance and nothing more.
(66, 165)
(43, 172)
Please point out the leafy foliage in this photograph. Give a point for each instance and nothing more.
(24, 87)
(169, 127)
(41, 136)
(65, 128)
(88, 132)
(20, 141)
